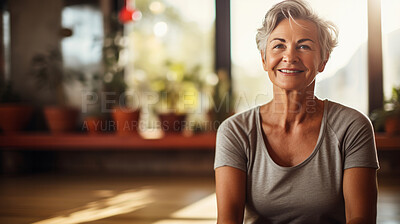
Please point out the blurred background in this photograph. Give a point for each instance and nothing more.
(109, 108)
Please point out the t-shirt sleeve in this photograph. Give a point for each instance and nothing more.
(229, 150)
(359, 145)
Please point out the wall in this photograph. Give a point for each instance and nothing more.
(35, 28)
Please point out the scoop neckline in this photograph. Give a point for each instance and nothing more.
(315, 150)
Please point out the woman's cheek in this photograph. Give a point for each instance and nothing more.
(272, 62)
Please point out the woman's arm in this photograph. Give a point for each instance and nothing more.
(231, 194)
(360, 195)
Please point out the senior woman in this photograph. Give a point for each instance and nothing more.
(296, 159)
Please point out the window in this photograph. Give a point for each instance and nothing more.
(172, 38)
(6, 44)
(82, 51)
(84, 48)
(390, 45)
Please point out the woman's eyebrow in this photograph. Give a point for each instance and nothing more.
(279, 39)
(304, 40)
(299, 41)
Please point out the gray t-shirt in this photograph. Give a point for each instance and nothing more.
(310, 192)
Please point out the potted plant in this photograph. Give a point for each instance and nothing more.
(14, 115)
(94, 120)
(388, 118)
(125, 116)
(178, 91)
(48, 70)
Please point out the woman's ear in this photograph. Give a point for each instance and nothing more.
(263, 56)
(322, 65)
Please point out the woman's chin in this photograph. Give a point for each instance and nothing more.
(292, 86)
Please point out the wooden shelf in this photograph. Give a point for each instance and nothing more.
(386, 142)
(107, 142)
(206, 141)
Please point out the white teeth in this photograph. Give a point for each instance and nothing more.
(289, 71)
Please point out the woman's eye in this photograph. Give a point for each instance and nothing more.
(278, 46)
(304, 47)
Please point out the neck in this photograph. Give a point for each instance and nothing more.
(290, 108)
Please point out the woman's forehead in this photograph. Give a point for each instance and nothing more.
(299, 28)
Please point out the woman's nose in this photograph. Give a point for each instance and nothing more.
(290, 56)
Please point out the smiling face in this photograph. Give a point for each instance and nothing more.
(293, 55)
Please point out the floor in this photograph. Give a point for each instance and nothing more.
(68, 199)
(389, 199)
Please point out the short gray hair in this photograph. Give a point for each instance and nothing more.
(297, 9)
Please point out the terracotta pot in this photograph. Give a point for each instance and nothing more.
(126, 120)
(392, 125)
(172, 123)
(14, 117)
(95, 125)
(61, 119)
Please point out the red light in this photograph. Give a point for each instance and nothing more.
(128, 12)
(125, 15)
